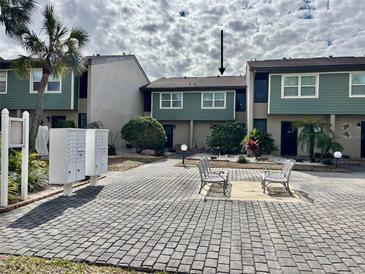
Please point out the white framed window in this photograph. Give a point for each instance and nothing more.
(53, 86)
(299, 86)
(357, 84)
(3, 81)
(213, 100)
(171, 100)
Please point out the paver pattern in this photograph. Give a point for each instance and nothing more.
(151, 217)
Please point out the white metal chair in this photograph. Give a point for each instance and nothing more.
(281, 177)
(208, 176)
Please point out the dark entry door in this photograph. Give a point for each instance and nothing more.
(289, 139)
(169, 129)
(362, 139)
(56, 119)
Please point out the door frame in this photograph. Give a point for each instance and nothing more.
(282, 140)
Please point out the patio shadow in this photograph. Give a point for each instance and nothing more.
(54, 208)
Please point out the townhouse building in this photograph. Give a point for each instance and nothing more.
(108, 92)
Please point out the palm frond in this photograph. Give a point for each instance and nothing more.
(22, 65)
(79, 34)
(32, 43)
(50, 22)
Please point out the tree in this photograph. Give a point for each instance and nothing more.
(312, 134)
(145, 132)
(15, 15)
(57, 51)
(226, 138)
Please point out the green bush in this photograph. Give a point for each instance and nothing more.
(242, 159)
(145, 132)
(265, 142)
(226, 138)
(95, 125)
(37, 174)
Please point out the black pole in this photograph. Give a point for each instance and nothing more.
(183, 158)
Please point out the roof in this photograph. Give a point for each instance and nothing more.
(320, 63)
(198, 83)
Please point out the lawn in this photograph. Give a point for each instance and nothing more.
(32, 265)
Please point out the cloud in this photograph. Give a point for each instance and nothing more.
(176, 38)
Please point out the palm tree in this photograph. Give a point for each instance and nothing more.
(57, 51)
(15, 15)
(312, 133)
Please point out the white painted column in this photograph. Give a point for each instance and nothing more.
(25, 156)
(333, 122)
(191, 134)
(4, 157)
(250, 76)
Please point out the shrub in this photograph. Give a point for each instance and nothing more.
(144, 132)
(226, 138)
(37, 174)
(242, 159)
(95, 125)
(266, 144)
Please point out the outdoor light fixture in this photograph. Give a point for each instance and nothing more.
(338, 156)
(184, 148)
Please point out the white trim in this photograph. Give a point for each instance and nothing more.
(213, 100)
(171, 107)
(350, 84)
(72, 90)
(300, 75)
(234, 105)
(269, 95)
(31, 91)
(6, 81)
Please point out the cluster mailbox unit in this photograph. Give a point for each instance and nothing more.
(76, 153)
(96, 153)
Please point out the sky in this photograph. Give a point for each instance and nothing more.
(174, 38)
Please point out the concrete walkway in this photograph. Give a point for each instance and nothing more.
(152, 218)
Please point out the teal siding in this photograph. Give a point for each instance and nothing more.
(333, 98)
(192, 109)
(18, 96)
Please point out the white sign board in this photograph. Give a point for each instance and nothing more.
(16, 136)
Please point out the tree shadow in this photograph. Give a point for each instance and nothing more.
(54, 208)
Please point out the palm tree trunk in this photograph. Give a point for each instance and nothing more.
(38, 112)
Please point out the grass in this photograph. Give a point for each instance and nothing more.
(32, 265)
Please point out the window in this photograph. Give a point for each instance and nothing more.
(357, 85)
(3, 81)
(261, 88)
(54, 83)
(240, 100)
(213, 100)
(147, 97)
(304, 86)
(260, 124)
(171, 100)
(82, 120)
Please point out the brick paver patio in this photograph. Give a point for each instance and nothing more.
(152, 218)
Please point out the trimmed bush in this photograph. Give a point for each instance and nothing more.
(65, 124)
(145, 132)
(226, 138)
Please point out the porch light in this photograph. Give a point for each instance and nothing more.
(338, 156)
(183, 148)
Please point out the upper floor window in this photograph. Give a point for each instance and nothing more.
(357, 84)
(53, 86)
(3, 81)
(240, 100)
(171, 100)
(213, 100)
(261, 88)
(302, 86)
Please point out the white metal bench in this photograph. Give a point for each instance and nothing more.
(281, 177)
(208, 175)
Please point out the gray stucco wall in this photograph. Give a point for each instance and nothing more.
(113, 93)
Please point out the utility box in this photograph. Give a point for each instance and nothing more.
(67, 156)
(96, 152)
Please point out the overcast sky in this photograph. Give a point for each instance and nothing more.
(177, 38)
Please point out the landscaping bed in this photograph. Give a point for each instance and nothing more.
(260, 165)
(121, 163)
(32, 265)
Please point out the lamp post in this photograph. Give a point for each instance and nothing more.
(184, 148)
(338, 156)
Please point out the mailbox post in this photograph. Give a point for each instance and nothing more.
(14, 134)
